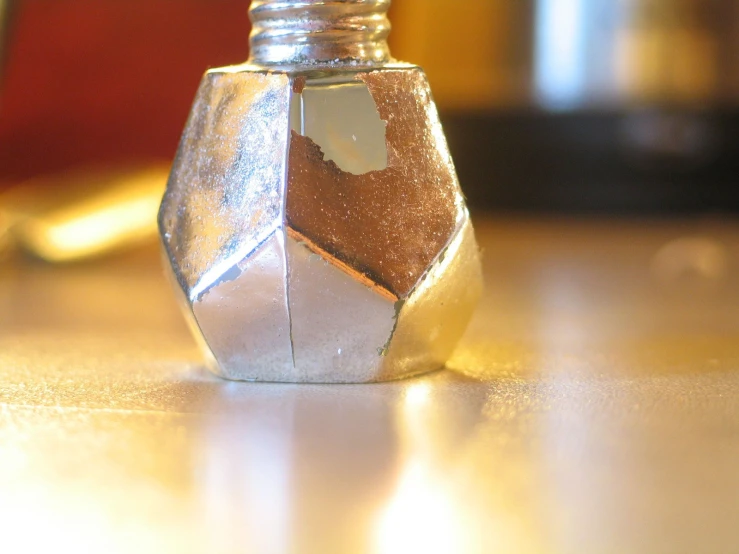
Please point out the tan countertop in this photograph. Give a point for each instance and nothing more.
(594, 407)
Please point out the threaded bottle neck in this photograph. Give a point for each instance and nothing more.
(319, 32)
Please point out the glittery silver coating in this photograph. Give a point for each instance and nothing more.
(225, 192)
(296, 269)
(318, 32)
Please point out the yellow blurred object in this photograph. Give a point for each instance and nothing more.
(84, 214)
(485, 63)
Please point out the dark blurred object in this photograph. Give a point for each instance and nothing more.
(101, 82)
(5, 8)
(652, 161)
(585, 105)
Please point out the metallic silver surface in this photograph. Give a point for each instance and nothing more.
(340, 323)
(245, 318)
(319, 32)
(225, 194)
(315, 223)
(435, 314)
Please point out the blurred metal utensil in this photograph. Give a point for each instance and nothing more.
(570, 55)
(83, 214)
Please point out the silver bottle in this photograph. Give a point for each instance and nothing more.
(313, 219)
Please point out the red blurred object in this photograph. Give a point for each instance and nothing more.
(92, 82)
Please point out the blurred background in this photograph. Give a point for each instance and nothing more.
(550, 106)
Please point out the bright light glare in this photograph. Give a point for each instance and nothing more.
(421, 517)
(417, 395)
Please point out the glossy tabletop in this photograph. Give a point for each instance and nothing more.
(593, 406)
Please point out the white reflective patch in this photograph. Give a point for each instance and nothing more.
(343, 120)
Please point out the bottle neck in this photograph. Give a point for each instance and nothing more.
(319, 32)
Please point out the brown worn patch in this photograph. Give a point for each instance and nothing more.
(360, 277)
(389, 225)
(299, 84)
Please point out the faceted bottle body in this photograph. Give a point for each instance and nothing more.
(313, 218)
